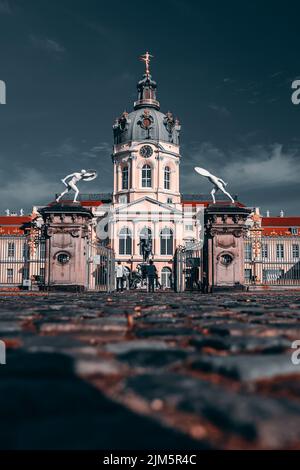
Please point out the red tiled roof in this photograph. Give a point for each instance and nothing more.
(11, 224)
(287, 222)
(279, 231)
(14, 220)
(206, 203)
(91, 203)
(82, 203)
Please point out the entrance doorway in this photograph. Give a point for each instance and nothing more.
(166, 277)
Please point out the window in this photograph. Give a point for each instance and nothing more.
(166, 277)
(296, 251)
(63, 258)
(125, 177)
(10, 274)
(125, 241)
(248, 275)
(264, 251)
(146, 176)
(188, 227)
(226, 259)
(272, 275)
(11, 250)
(294, 231)
(189, 243)
(167, 176)
(248, 251)
(169, 200)
(280, 251)
(123, 199)
(166, 242)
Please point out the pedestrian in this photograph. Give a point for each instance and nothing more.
(151, 275)
(120, 273)
(204, 284)
(157, 283)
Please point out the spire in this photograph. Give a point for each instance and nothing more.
(146, 87)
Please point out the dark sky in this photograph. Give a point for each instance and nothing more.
(224, 68)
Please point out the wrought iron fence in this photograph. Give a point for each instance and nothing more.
(100, 268)
(272, 260)
(188, 267)
(22, 261)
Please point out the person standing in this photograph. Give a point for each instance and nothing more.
(120, 272)
(151, 275)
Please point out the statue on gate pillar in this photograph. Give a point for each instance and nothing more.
(73, 179)
(217, 182)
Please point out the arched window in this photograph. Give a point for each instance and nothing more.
(167, 177)
(125, 241)
(166, 241)
(145, 238)
(125, 177)
(166, 277)
(146, 176)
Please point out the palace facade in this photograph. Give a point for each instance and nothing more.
(146, 206)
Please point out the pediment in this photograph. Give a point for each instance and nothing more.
(147, 204)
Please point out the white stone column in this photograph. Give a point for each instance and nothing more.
(133, 173)
(155, 241)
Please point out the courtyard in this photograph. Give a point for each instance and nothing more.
(150, 371)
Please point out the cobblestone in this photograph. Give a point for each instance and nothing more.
(150, 371)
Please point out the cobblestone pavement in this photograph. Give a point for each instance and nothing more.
(150, 371)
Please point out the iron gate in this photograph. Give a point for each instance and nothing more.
(188, 267)
(272, 260)
(100, 268)
(22, 261)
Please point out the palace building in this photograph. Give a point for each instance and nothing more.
(77, 244)
(147, 203)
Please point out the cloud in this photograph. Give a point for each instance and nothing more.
(5, 7)
(97, 150)
(46, 44)
(68, 149)
(265, 167)
(65, 149)
(246, 169)
(28, 187)
(221, 110)
(102, 147)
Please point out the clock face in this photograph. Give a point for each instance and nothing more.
(146, 151)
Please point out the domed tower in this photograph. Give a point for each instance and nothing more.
(146, 149)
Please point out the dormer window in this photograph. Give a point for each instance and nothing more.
(294, 230)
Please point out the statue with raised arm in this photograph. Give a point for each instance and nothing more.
(218, 183)
(70, 181)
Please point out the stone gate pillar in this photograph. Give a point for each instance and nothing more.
(224, 246)
(68, 228)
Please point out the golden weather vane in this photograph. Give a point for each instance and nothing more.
(146, 58)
